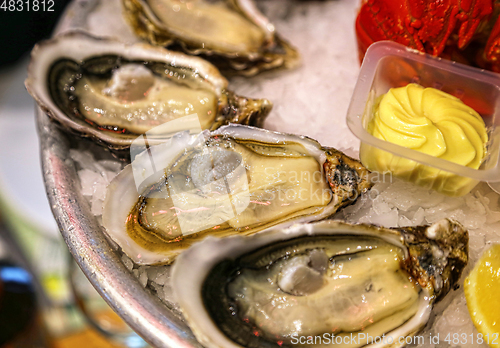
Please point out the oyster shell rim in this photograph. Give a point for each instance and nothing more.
(248, 10)
(193, 266)
(149, 27)
(79, 45)
(113, 223)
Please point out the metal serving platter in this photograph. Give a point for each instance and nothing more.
(99, 261)
(97, 258)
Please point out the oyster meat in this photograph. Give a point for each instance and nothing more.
(233, 34)
(235, 180)
(114, 92)
(318, 284)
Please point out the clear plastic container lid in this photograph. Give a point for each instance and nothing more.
(388, 65)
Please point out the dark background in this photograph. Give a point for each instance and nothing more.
(19, 31)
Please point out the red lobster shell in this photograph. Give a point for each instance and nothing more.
(467, 31)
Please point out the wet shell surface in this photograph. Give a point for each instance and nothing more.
(235, 180)
(311, 283)
(233, 34)
(113, 92)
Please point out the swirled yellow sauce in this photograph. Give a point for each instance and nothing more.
(433, 122)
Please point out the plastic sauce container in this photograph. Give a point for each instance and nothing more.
(388, 65)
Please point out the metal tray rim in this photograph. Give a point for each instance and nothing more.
(81, 231)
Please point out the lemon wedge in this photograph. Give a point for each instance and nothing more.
(482, 292)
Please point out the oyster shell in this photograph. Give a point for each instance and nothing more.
(235, 180)
(233, 34)
(329, 279)
(113, 92)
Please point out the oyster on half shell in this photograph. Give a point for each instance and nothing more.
(233, 34)
(113, 92)
(235, 180)
(317, 282)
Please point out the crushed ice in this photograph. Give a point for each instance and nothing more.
(320, 90)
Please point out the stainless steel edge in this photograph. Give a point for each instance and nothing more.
(84, 237)
(98, 260)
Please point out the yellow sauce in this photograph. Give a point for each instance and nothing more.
(433, 122)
